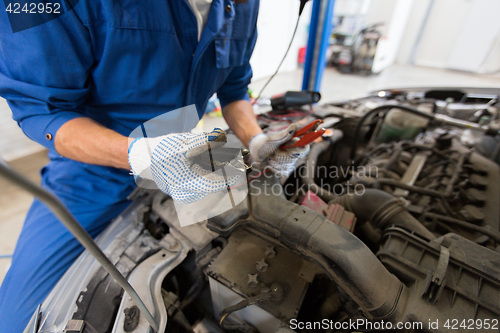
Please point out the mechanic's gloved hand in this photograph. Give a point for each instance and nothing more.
(165, 160)
(282, 162)
(266, 147)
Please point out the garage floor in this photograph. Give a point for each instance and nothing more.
(28, 157)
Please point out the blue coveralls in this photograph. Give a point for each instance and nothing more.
(120, 63)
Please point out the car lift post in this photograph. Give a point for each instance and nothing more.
(317, 44)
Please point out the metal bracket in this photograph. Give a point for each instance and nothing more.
(436, 281)
(74, 326)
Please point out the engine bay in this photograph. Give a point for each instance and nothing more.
(392, 221)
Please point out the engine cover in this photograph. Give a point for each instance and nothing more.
(451, 277)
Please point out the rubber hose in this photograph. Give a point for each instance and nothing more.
(312, 161)
(383, 210)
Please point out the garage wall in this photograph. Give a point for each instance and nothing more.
(477, 36)
(394, 15)
(492, 62)
(445, 22)
(389, 44)
(381, 11)
(413, 26)
(458, 34)
(277, 19)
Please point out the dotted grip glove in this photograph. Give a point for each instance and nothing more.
(166, 161)
(265, 147)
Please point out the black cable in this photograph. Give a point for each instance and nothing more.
(490, 233)
(384, 108)
(230, 309)
(284, 57)
(411, 188)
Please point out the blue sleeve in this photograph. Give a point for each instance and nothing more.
(235, 88)
(44, 74)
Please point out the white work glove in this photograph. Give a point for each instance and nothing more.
(265, 147)
(166, 161)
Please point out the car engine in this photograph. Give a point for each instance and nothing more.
(391, 221)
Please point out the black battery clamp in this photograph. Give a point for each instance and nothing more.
(293, 99)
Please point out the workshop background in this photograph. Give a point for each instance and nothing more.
(421, 43)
